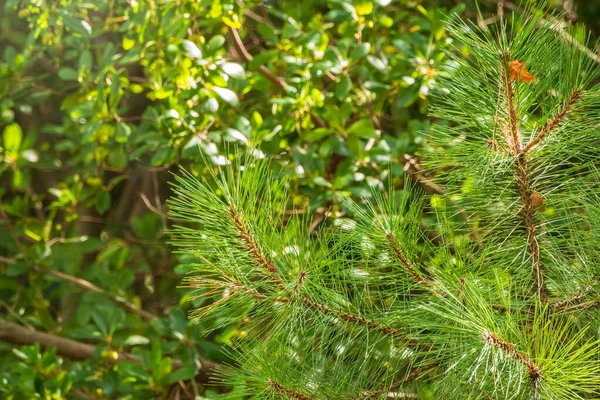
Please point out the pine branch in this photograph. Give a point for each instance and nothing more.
(360, 320)
(534, 370)
(403, 260)
(556, 120)
(417, 373)
(308, 302)
(512, 138)
(289, 393)
(252, 246)
(575, 300)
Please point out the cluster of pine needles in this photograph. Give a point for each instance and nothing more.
(500, 302)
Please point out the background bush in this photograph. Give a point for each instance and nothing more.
(101, 101)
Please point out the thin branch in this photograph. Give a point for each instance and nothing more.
(279, 82)
(527, 212)
(239, 45)
(87, 285)
(407, 379)
(307, 301)
(16, 334)
(574, 301)
(556, 120)
(360, 320)
(513, 142)
(391, 237)
(289, 393)
(253, 247)
(511, 135)
(534, 370)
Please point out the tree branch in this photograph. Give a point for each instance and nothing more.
(514, 144)
(282, 390)
(239, 45)
(534, 371)
(252, 246)
(16, 334)
(404, 260)
(556, 120)
(87, 285)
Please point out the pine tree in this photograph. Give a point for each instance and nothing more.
(500, 302)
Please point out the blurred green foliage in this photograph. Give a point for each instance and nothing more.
(100, 101)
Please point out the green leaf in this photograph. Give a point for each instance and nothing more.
(235, 136)
(68, 74)
(12, 137)
(182, 374)
(267, 32)
(377, 63)
(227, 95)
(155, 355)
(135, 340)
(77, 25)
(215, 43)
(362, 129)
(162, 156)
(122, 132)
(117, 159)
(360, 51)
(409, 94)
(354, 145)
(317, 134)
(115, 94)
(103, 202)
(18, 268)
(363, 7)
(257, 120)
(191, 50)
(320, 181)
(342, 88)
(234, 70)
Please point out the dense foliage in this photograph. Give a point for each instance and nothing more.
(99, 103)
(501, 302)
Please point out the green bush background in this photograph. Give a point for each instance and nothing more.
(101, 101)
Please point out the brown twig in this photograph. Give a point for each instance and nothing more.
(574, 301)
(87, 285)
(16, 334)
(239, 45)
(289, 393)
(556, 120)
(252, 246)
(514, 144)
(534, 370)
(391, 237)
